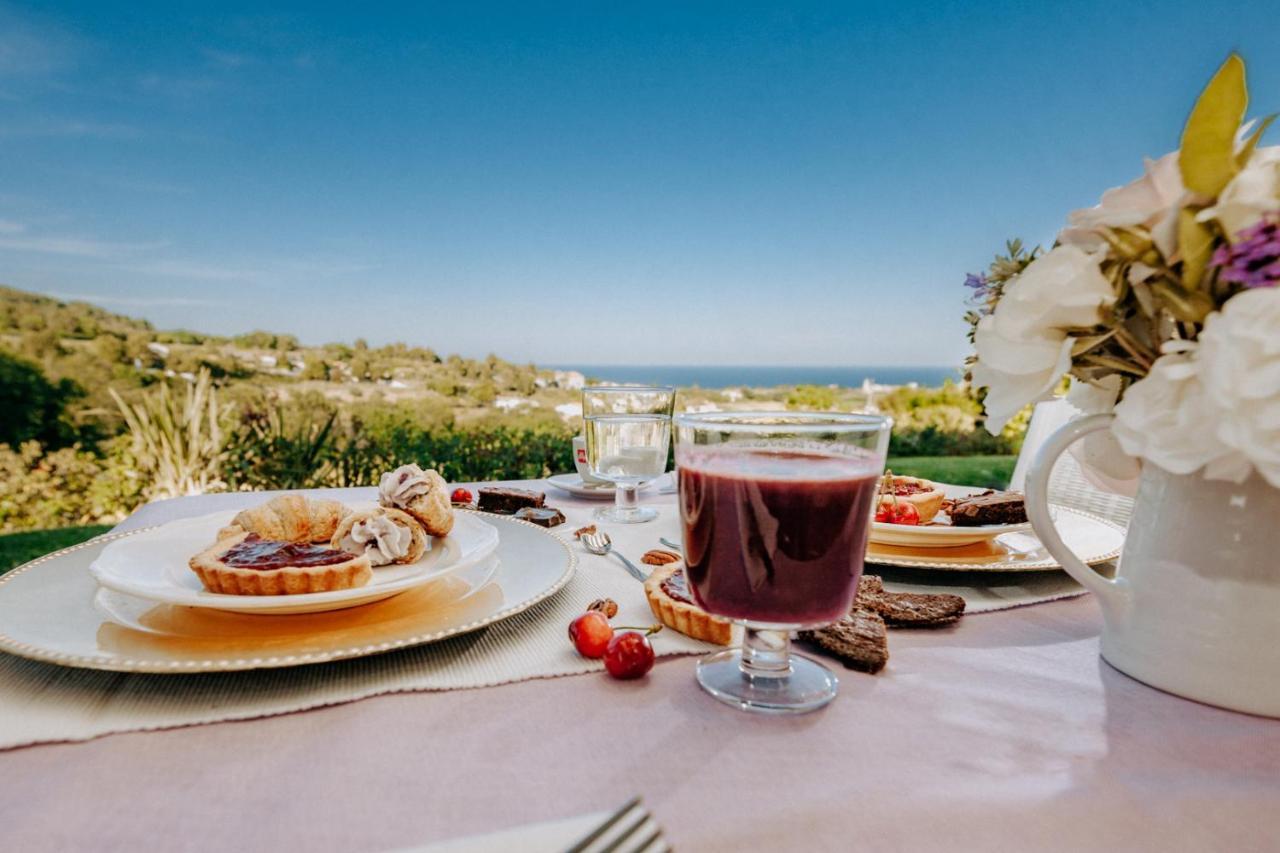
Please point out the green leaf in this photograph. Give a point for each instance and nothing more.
(1243, 155)
(1207, 158)
(1195, 242)
(1188, 306)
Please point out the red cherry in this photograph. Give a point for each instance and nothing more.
(460, 496)
(591, 634)
(629, 655)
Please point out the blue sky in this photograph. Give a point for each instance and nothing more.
(685, 183)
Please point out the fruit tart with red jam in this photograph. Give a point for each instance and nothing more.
(924, 495)
(672, 602)
(247, 564)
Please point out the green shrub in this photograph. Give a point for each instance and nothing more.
(32, 407)
(67, 486)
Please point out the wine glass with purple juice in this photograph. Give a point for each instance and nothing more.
(775, 509)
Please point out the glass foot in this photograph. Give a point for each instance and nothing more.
(805, 685)
(630, 515)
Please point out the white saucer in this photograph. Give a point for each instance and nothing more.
(153, 565)
(574, 485)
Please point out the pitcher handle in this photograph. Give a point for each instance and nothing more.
(1111, 593)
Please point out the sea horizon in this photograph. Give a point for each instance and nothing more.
(764, 376)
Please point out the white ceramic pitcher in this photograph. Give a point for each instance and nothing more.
(1195, 605)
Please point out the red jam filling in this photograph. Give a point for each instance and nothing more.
(902, 490)
(254, 552)
(677, 587)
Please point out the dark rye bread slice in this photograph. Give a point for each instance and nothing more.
(908, 609)
(989, 508)
(859, 641)
(507, 501)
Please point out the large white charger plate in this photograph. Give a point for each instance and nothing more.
(153, 566)
(51, 610)
(1093, 539)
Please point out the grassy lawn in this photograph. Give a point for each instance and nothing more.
(992, 472)
(18, 548)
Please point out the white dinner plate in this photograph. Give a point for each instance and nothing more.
(153, 566)
(940, 533)
(574, 485)
(51, 610)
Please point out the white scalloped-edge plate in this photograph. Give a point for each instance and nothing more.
(51, 610)
(154, 566)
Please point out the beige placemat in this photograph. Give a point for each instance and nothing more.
(42, 703)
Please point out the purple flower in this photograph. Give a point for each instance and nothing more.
(1254, 261)
(978, 283)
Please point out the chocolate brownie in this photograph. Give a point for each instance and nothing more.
(989, 508)
(508, 501)
(543, 516)
(858, 641)
(907, 609)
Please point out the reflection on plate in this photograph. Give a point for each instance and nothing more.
(153, 565)
(1094, 540)
(48, 613)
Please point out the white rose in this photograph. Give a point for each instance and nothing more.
(1252, 193)
(1151, 201)
(1023, 348)
(1164, 418)
(1239, 366)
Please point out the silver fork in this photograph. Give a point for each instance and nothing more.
(600, 543)
(631, 829)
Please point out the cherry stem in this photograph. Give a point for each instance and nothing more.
(647, 629)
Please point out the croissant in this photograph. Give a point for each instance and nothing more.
(289, 518)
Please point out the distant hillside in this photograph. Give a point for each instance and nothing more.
(100, 350)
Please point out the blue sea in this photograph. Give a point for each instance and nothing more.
(687, 376)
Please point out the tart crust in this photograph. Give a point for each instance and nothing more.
(689, 619)
(217, 576)
(927, 503)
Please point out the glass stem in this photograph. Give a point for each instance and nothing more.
(626, 498)
(766, 653)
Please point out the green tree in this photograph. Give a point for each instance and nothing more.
(812, 397)
(316, 369)
(32, 407)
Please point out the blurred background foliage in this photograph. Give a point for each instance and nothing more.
(100, 413)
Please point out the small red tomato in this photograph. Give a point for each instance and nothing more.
(591, 634)
(460, 496)
(629, 655)
(898, 512)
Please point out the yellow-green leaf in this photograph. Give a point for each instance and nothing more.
(1186, 305)
(1195, 242)
(1207, 158)
(1246, 151)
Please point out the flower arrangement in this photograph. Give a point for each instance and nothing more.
(1162, 302)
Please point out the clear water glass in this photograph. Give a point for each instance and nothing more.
(775, 510)
(628, 432)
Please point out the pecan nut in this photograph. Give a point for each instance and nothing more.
(607, 606)
(583, 531)
(658, 557)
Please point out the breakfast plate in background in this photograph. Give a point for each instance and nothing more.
(573, 484)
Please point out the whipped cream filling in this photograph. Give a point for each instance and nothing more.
(380, 538)
(398, 488)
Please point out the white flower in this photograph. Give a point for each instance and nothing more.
(1151, 201)
(1239, 366)
(1215, 405)
(1164, 418)
(1023, 348)
(1252, 193)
